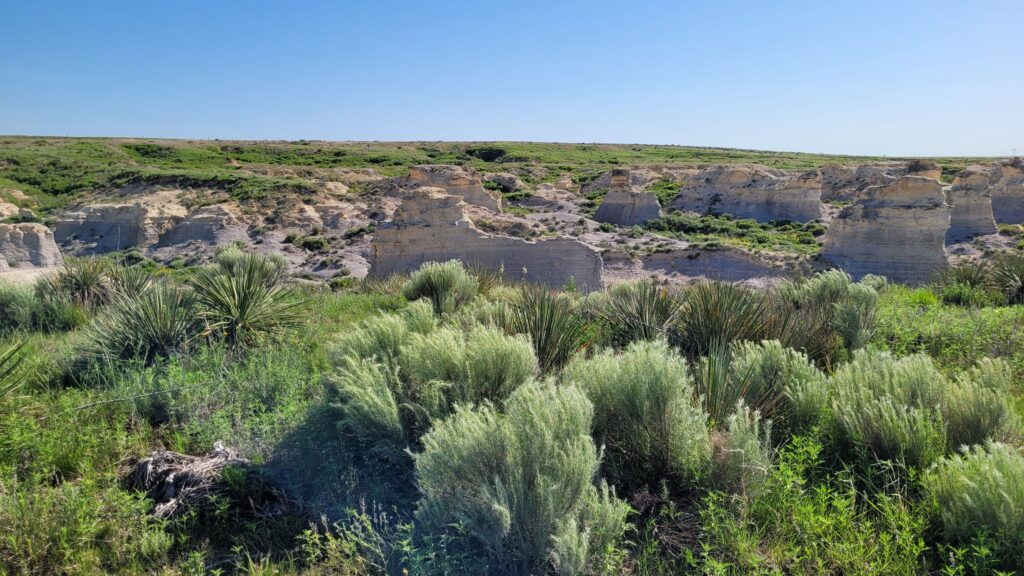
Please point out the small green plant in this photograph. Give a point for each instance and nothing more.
(447, 285)
(1008, 275)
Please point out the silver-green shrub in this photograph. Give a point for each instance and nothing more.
(746, 455)
(645, 415)
(447, 285)
(780, 383)
(520, 484)
(980, 492)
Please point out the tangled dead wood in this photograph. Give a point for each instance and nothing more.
(178, 483)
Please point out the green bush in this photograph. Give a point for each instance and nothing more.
(244, 302)
(520, 484)
(745, 457)
(447, 285)
(979, 494)
(1008, 276)
(382, 336)
(16, 305)
(555, 328)
(159, 322)
(717, 314)
(640, 310)
(783, 384)
(646, 417)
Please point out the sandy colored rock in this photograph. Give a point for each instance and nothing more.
(639, 178)
(8, 210)
(28, 244)
(99, 228)
(431, 225)
(623, 205)
(750, 191)
(924, 169)
(506, 182)
(971, 199)
(456, 181)
(1008, 192)
(896, 230)
(212, 225)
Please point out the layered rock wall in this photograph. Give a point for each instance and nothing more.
(99, 228)
(748, 191)
(431, 225)
(897, 230)
(624, 206)
(28, 244)
(1008, 192)
(971, 200)
(456, 181)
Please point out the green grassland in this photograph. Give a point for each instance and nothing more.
(57, 170)
(448, 423)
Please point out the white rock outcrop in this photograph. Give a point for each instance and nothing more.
(897, 230)
(624, 206)
(456, 181)
(971, 199)
(749, 191)
(432, 225)
(99, 228)
(1008, 192)
(211, 225)
(28, 245)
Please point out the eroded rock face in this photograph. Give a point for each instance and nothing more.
(28, 244)
(897, 230)
(624, 206)
(1008, 192)
(924, 169)
(971, 200)
(431, 225)
(456, 181)
(100, 228)
(841, 183)
(748, 191)
(639, 178)
(211, 225)
(505, 181)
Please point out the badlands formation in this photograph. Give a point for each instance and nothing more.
(891, 218)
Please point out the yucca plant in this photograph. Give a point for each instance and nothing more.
(447, 285)
(85, 280)
(974, 274)
(131, 279)
(159, 322)
(1008, 275)
(553, 326)
(640, 310)
(246, 303)
(487, 277)
(719, 313)
(11, 373)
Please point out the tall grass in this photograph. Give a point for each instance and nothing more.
(521, 483)
(646, 417)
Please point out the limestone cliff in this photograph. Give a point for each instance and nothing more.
(750, 191)
(897, 230)
(99, 228)
(1008, 192)
(431, 225)
(28, 244)
(456, 181)
(971, 200)
(623, 205)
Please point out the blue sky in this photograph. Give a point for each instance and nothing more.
(896, 78)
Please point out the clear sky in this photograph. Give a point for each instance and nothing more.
(937, 77)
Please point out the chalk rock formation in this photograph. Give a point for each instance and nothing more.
(841, 183)
(505, 181)
(748, 191)
(624, 206)
(924, 169)
(212, 225)
(4, 267)
(99, 228)
(1008, 192)
(896, 230)
(28, 244)
(639, 178)
(431, 225)
(971, 200)
(8, 210)
(456, 181)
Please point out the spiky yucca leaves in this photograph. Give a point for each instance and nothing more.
(11, 373)
(159, 322)
(980, 493)
(86, 281)
(131, 279)
(782, 384)
(719, 313)
(447, 285)
(646, 416)
(488, 278)
(1008, 275)
(232, 260)
(556, 330)
(973, 274)
(520, 484)
(968, 284)
(640, 310)
(245, 303)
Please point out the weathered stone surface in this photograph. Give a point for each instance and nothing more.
(749, 191)
(505, 181)
(456, 181)
(924, 168)
(211, 225)
(431, 225)
(624, 206)
(897, 230)
(841, 183)
(971, 200)
(8, 210)
(639, 178)
(720, 263)
(4, 267)
(99, 228)
(28, 244)
(1008, 192)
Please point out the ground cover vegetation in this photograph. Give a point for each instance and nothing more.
(446, 422)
